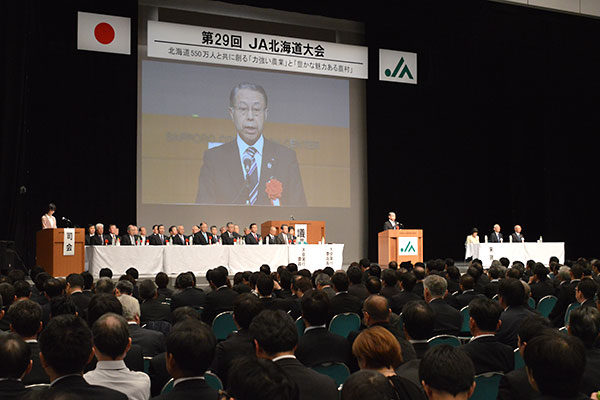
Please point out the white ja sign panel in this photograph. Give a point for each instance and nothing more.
(397, 66)
(408, 246)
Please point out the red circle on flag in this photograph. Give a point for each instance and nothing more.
(104, 33)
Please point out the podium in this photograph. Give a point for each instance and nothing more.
(400, 245)
(315, 229)
(49, 252)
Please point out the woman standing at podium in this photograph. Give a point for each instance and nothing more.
(48, 219)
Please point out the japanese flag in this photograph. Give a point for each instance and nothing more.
(106, 33)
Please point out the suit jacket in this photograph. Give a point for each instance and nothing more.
(152, 342)
(492, 238)
(489, 355)
(344, 302)
(311, 384)
(227, 239)
(82, 302)
(515, 386)
(88, 239)
(221, 178)
(491, 289)
(154, 310)
(590, 383)
(399, 300)
(447, 319)
(270, 239)
(190, 296)
(273, 303)
(282, 238)
(126, 240)
(78, 385)
(193, 389)
(199, 238)
(178, 240)
(465, 298)
(98, 240)
(158, 373)
(511, 321)
(251, 240)
(541, 289)
(318, 346)
(37, 374)
(517, 237)
(12, 390)
(387, 225)
(155, 240)
(389, 291)
(218, 301)
(238, 344)
(565, 295)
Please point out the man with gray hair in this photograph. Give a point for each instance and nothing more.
(152, 342)
(496, 236)
(124, 287)
(250, 169)
(104, 285)
(323, 283)
(447, 319)
(111, 344)
(99, 238)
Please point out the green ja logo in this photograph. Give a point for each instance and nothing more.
(405, 70)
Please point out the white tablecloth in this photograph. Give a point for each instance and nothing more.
(150, 260)
(540, 252)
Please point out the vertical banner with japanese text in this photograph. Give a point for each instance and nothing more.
(69, 242)
(301, 233)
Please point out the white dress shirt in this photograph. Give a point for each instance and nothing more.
(115, 375)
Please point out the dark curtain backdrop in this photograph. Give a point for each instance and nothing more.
(68, 120)
(500, 128)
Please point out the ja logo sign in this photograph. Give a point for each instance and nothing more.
(407, 246)
(397, 66)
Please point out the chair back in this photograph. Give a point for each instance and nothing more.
(487, 386)
(343, 324)
(337, 371)
(519, 362)
(465, 329)
(531, 302)
(546, 305)
(300, 326)
(168, 386)
(163, 327)
(213, 380)
(443, 339)
(147, 364)
(223, 325)
(496, 297)
(570, 308)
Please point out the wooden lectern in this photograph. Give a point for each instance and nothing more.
(393, 243)
(315, 229)
(49, 252)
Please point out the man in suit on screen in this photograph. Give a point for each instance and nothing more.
(251, 169)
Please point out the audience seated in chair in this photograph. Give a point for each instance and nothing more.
(151, 307)
(152, 342)
(447, 373)
(511, 296)
(259, 379)
(584, 323)
(16, 364)
(221, 298)
(447, 319)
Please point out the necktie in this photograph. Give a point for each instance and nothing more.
(251, 174)
(205, 237)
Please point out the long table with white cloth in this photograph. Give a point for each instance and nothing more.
(540, 252)
(150, 260)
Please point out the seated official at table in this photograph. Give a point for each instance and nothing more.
(496, 236)
(271, 238)
(158, 238)
(391, 223)
(473, 238)
(48, 219)
(142, 234)
(252, 237)
(99, 239)
(517, 236)
(131, 238)
(228, 236)
(203, 237)
(91, 232)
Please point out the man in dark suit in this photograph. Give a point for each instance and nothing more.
(264, 286)
(203, 237)
(158, 238)
(228, 237)
(189, 294)
(15, 356)
(190, 349)
(152, 309)
(584, 323)
(343, 302)
(152, 342)
(487, 354)
(318, 345)
(66, 347)
(25, 318)
(391, 223)
(511, 296)
(221, 298)
(240, 343)
(179, 237)
(99, 238)
(540, 284)
(496, 236)
(517, 236)
(407, 283)
(490, 289)
(467, 287)
(131, 238)
(448, 319)
(275, 337)
(253, 237)
(357, 288)
(515, 385)
(89, 236)
(283, 237)
(271, 238)
(389, 278)
(257, 170)
(75, 291)
(565, 293)
(585, 292)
